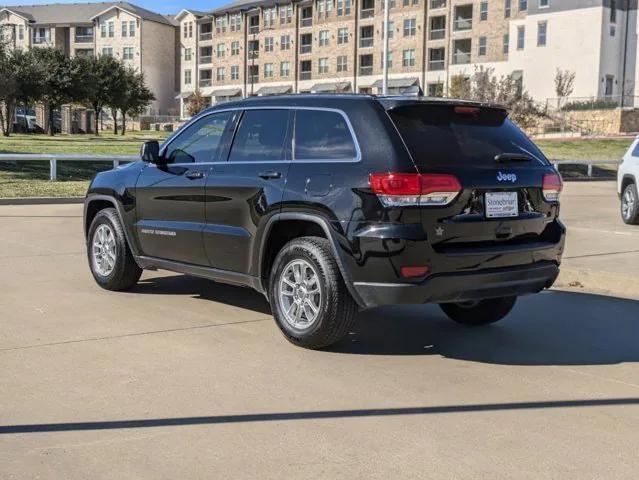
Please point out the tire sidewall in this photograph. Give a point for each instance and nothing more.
(632, 216)
(104, 218)
(290, 253)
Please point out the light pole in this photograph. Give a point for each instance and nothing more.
(385, 54)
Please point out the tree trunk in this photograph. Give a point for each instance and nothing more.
(123, 122)
(115, 121)
(5, 130)
(96, 112)
(50, 113)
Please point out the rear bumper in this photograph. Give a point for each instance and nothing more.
(459, 287)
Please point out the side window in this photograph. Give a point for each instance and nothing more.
(198, 142)
(322, 135)
(261, 136)
(635, 150)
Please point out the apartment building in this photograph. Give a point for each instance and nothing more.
(269, 47)
(142, 39)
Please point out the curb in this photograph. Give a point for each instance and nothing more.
(585, 280)
(40, 200)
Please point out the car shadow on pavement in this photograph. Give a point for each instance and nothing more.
(204, 289)
(552, 328)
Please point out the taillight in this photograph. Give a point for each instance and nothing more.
(552, 187)
(408, 189)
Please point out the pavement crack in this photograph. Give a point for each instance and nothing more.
(137, 334)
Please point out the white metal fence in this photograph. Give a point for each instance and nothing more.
(54, 159)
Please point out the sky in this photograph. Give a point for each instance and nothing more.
(154, 5)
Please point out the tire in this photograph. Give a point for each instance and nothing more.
(336, 309)
(480, 312)
(630, 205)
(124, 272)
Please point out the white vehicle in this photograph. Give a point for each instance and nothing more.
(627, 178)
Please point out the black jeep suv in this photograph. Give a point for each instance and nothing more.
(330, 203)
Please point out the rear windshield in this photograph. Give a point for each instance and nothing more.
(438, 135)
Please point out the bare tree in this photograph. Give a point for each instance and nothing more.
(195, 103)
(564, 84)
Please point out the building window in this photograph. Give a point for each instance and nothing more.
(391, 28)
(343, 7)
(322, 65)
(609, 85)
(285, 42)
(107, 51)
(235, 22)
(390, 60)
(462, 51)
(544, 3)
(187, 77)
(483, 11)
(187, 54)
(482, 46)
(111, 29)
(342, 63)
(507, 8)
(235, 48)
(268, 44)
(221, 50)
(285, 69)
(235, 72)
(342, 35)
(220, 24)
(20, 32)
(286, 14)
(254, 73)
(323, 38)
(410, 27)
(506, 41)
(190, 29)
(521, 37)
(127, 53)
(269, 17)
(408, 58)
(132, 28)
(437, 28)
(523, 5)
(268, 70)
(125, 28)
(613, 11)
(103, 30)
(306, 69)
(436, 59)
(542, 33)
(324, 8)
(366, 36)
(366, 64)
(220, 74)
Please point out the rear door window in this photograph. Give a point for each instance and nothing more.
(440, 135)
(322, 135)
(262, 136)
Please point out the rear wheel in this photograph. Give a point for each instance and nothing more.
(110, 258)
(309, 299)
(479, 312)
(630, 205)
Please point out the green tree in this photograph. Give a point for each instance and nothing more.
(102, 82)
(134, 98)
(9, 90)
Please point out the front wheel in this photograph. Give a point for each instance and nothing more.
(479, 312)
(310, 302)
(630, 205)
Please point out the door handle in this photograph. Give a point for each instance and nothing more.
(194, 175)
(270, 175)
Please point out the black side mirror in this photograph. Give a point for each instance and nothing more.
(150, 151)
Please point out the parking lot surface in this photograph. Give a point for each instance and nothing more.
(186, 378)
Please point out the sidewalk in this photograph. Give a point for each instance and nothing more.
(602, 253)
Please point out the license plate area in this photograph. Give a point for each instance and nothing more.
(501, 204)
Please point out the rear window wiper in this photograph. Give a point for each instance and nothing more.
(513, 157)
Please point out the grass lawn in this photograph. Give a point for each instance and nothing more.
(585, 149)
(31, 179)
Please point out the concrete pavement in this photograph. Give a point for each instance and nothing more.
(185, 378)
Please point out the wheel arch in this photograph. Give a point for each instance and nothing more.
(626, 180)
(93, 204)
(319, 224)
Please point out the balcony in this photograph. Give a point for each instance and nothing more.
(306, 48)
(252, 54)
(366, 70)
(434, 65)
(367, 13)
(40, 40)
(462, 24)
(205, 36)
(366, 42)
(206, 60)
(254, 29)
(254, 79)
(305, 75)
(437, 34)
(460, 58)
(306, 22)
(84, 39)
(437, 4)
(206, 82)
